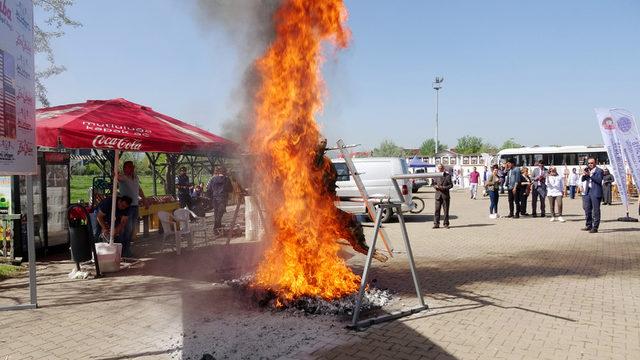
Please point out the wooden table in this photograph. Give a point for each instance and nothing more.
(150, 216)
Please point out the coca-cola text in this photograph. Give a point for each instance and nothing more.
(116, 143)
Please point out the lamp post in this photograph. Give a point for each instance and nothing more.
(437, 85)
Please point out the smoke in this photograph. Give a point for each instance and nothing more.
(249, 25)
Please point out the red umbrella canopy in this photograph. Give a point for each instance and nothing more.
(119, 124)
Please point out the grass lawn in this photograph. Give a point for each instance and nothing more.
(8, 271)
(80, 185)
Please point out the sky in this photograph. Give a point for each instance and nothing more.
(533, 71)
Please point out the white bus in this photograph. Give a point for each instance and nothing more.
(560, 156)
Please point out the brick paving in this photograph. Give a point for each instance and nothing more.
(497, 289)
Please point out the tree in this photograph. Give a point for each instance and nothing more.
(510, 144)
(428, 147)
(52, 28)
(489, 148)
(469, 144)
(388, 148)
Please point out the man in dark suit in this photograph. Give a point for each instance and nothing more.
(539, 189)
(514, 190)
(443, 197)
(592, 178)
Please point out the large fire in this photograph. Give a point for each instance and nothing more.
(303, 223)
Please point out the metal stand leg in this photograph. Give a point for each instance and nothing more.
(357, 324)
(412, 263)
(365, 273)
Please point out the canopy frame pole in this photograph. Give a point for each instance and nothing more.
(114, 195)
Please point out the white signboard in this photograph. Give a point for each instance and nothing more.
(17, 89)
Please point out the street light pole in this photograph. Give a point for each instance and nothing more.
(437, 85)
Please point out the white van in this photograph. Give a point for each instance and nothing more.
(376, 173)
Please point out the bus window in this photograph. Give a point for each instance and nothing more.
(537, 157)
(582, 159)
(601, 158)
(571, 159)
(527, 160)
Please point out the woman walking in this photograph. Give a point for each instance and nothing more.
(607, 181)
(492, 185)
(555, 188)
(525, 183)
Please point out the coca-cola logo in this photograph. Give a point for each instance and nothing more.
(116, 143)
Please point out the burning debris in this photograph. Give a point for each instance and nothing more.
(373, 299)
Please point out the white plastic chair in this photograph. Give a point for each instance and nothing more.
(169, 228)
(185, 226)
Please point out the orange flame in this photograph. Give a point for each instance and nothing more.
(302, 219)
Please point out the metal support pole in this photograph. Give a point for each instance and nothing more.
(437, 101)
(31, 246)
(365, 272)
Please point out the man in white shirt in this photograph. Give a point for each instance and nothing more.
(573, 181)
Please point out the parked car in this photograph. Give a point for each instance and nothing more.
(416, 184)
(376, 173)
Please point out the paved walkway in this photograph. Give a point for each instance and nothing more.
(498, 289)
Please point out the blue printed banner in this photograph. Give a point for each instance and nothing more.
(627, 133)
(612, 144)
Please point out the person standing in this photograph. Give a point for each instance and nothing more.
(129, 185)
(218, 189)
(492, 185)
(485, 174)
(474, 176)
(183, 185)
(607, 182)
(566, 174)
(525, 183)
(573, 183)
(512, 183)
(502, 174)
(592, 179)
(539, 189)
(555, 188)
(443, 197)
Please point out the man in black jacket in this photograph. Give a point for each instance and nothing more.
(443, 198)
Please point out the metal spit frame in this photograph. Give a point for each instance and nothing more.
(396, 206)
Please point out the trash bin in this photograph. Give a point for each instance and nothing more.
(80, 233)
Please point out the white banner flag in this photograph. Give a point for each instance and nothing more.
(627, 133)
(17, 88)
(612, 144)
